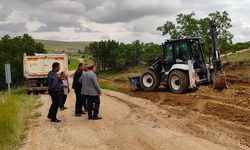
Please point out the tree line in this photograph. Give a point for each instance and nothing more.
(11, 52)
(114, 55)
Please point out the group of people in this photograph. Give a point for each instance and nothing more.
(86, 88)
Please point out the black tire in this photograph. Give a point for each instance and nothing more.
(178, 82)
(149, 81)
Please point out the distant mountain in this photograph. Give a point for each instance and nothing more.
(61, 45)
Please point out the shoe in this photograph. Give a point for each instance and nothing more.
(90, 118)
(62, 108)
(65, 107)
(97, 118)
(78, 115)
(55, 120)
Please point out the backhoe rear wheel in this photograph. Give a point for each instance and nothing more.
(178, 82)
(149, 81)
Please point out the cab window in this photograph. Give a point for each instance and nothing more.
(169, 53)
(181, 52)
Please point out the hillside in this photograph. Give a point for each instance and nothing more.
(62, 45)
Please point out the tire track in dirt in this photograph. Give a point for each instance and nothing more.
(201, 125)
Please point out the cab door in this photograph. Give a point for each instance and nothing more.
(181, 52)
(169, 60)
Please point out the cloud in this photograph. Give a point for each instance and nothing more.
(64, 7)
(147, 24)
(91, 4)
(4, 13)
(60, 13)
(126, 10)
(86, 29)
(13, 27)
(124, 20)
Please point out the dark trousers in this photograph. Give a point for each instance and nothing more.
(62, 100)
(93, 106)
(84, 102)
(78, 104)
(54, 106)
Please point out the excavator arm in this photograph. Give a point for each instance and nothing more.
(219, 77)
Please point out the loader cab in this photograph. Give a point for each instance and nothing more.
(181, 50)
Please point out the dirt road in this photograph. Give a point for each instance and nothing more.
(128, 123)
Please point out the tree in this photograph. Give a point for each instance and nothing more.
(151, 52)
(11, 51)
(189, 26)
(113, 55)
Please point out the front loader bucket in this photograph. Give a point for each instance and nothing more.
(134, 83)
(219, 81)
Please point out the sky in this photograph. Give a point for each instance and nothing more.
(121, 20)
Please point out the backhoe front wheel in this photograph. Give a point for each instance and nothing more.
(178, 82)
(149, 81)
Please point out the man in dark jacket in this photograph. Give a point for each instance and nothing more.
(54, 87)
(77, 86)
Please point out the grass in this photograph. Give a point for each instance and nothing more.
(74, 61)
(109, 86)
(243, 57)
(52, 45)
(14, 114)
(114, 80)
(123, 75)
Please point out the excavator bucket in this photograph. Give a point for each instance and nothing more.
(134, 83)
(219, 81)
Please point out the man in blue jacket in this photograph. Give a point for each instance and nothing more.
(54, 87)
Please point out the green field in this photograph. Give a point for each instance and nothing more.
(243, 57)
(124, 74)
(15, 110)
(74, 61)
(109, 86)
(52, 45)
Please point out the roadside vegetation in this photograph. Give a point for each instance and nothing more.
(237, 65)
(74, 61)
(243, 57)
(11, 51)
(110, 86)
(15, 111)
